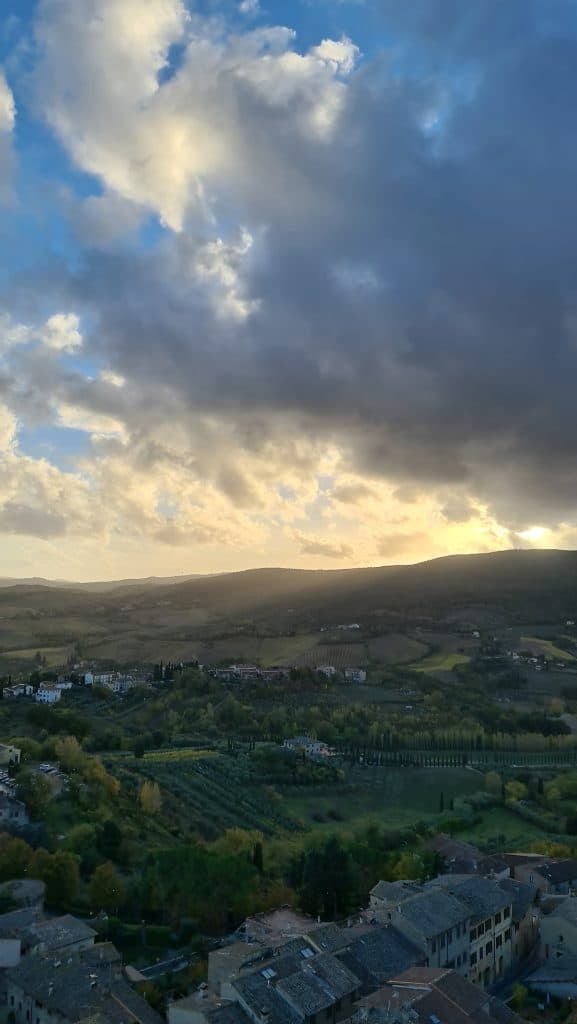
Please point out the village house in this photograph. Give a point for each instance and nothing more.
(307, 744)
(424, 995)
(326, 670)
(18, 690)
(551, 877)
(558, 927)
(462, 922)
(556, 978)
(48, 693)
(355, 675)
(490, 952)
(12, 811)
(52, 990)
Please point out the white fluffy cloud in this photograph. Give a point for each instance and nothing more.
(7, 105)
(7, 122)
(157, 140)
(61, 332)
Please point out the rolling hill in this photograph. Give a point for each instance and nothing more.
(144, 618)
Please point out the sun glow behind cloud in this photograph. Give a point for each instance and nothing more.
(272, 296)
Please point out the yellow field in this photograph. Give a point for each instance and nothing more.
(55, 656)
(440, 662)
(547, 648)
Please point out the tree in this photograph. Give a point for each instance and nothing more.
(60, 872)
(106, 890)
(516, 790)
(328, 879)
(110, 839)
(257, 857)
(69, 753)
(519, 998)
(150, 797)
(15, 859)
(34, 790)
(493, 783)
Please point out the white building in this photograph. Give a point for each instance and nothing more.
(48, 693)
(355, 675)
(311, 746)
(326, 670)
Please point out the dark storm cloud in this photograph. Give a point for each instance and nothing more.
(417, 275)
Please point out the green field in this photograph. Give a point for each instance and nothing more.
(501, 829)
(441, 662)
(393, 797)
(396, 649)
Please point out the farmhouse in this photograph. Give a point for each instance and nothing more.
(310, 746)
(48, 693)
(355, 675)
(326, 670)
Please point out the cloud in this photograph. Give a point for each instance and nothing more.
(403, 545)
(323, 548)
(62, 332)
(26, 520)
(366, 275)
(7, 122)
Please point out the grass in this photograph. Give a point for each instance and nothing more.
(55, 656)
(500, 828)
(339, 655)
(441, 662)
(396, 649)
(182, 754)
(547, 648)
(393, 797)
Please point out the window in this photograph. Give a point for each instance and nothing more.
(442, 941)
(481, 953)
(480, 929)
(507, 912)
(508, 935)
(268, 973)
(472, 934)
(499, 941)
(489, 948)
(560, 938)
(434, 946)
(488, 925)
(458, 961)
(449, 937)
(498, 918)
(473, 959)
(464, 959)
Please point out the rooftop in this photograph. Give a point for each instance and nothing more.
(77, 990)
(380, 954)
(435, 911)
(59, 932)
(483, 896)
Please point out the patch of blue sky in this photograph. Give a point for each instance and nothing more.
(81, 364)
(286, 493)
(166, 507)
(314, 20)
(61, 446)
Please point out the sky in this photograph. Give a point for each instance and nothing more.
(285, 283)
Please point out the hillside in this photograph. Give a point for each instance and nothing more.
(146, 619)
